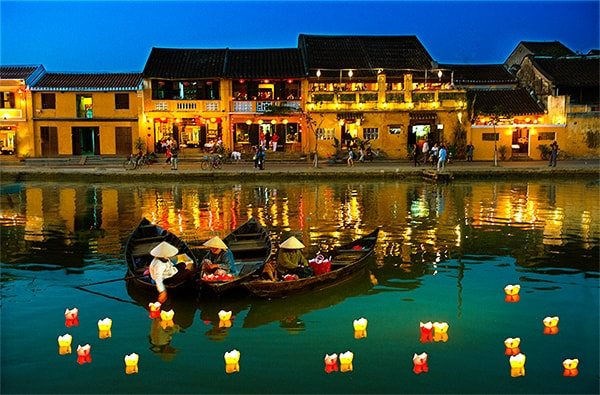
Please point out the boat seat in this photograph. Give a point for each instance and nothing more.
(247, 247)
(245, 236)
(144, 249)
(146, 240)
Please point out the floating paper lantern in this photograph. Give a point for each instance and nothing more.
(346, 361)
(71, 317)
(420, 363)
(232, 361)
(64, 344)
(167, 315)
(512, 345)
(570, 366)
(360, 328)
(131, 363)
(550, 325)
(224, 319)
(440, 331)
(154, 309)
(426, 332)
(84, 354)
(512, 293)
(104, 327)
(517, 365)
(331, 363)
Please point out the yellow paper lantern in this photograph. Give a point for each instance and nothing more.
(346, 359)
(517, 365)
(550, 325)
(224, 315)
(167, 315)
(104, 328)
(512, 293)
(131, 363)
(64, 344)
(570, 366)
(512, 345)
(232, 361)
(360, 328)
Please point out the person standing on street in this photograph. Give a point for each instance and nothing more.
(174, 156)
(553, 154)
(442, 155)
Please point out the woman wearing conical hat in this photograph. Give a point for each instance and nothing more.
(219, 259)
(161, 267)
(290, 259)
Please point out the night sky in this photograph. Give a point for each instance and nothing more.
(73, 36)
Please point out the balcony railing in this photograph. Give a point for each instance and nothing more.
(262, 106)
(11, 114)
(186, 105)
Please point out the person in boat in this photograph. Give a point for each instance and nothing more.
(219, 259)
(162, 269)
(290, 259)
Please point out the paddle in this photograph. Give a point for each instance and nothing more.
(112, 281)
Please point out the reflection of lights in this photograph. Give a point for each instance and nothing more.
(458, 233)
(419, 208)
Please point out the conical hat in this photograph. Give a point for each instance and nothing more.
(292, 244)
(164, 250)
(215, 242)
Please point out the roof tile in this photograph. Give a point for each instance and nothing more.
(88, 81)
(503, 101)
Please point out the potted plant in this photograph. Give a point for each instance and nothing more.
(544, 151)
(502, 150)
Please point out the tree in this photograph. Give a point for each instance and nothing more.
(460, 139)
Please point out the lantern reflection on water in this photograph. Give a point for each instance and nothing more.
(570, 366)
(131, 363)
(512, 346)
(232, 359)
(154, 309)
(331, 363)
(420, 363)
(346, 361)
(166, 318)
(71, 317)
(517, 365)
(84, 354)
(104, 328)
(550, 325)
(512, 293)
(440, 331)
(64, 344)
(360, 328)
(426, 332)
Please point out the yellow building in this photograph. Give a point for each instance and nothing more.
(86, 114)
(15, 108)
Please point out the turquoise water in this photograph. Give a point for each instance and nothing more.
(446, 254)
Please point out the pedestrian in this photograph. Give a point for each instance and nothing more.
(553, 153)
(259, 161)
(442, 155)
(434, 152)
(350, 160)
(425, 150)
(415, 154)
(174, 155)
(470, 149)
(274, 141)
(168, 155)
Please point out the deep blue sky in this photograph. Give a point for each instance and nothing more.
(75, 36)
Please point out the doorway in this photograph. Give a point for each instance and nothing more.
(85, 140)
(520, 142)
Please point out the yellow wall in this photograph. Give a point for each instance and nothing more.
(575, 137)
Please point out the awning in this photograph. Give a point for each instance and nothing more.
(349, 116)
(423, 116)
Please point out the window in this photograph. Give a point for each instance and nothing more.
(85, 108)
(292, 134)
(370, 133)
(546, 136)
(325, 133)
(8, 100)
(395, 129)
(185, 90)
(48, 101)
(490, 136)
(242, 133)
(122, 101)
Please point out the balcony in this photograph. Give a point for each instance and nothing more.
(251, 106)
(185, 105)
(11, 114)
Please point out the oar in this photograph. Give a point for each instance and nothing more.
(107, 296)
(112, 281)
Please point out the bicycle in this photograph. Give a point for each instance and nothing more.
(212, 161)
(134, 161)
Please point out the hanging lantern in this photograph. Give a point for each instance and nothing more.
(84, 354)
(104, 327)
(346, 361)
(232, 361)
(131, 363)
(420, 363)
(331, 363)
(248, 122)
(512, 346)
(517, 365)
(260, 122)
(273, 121)
(224, 319)
(426, 332)
(550, 325)
(71, 317)
(318, 73)
(154, 309)
(285, 122)
(512, 293)
(360, 328)
(570, 366)
(440, 331)
(64, 344)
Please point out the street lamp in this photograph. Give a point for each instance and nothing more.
(440, 76)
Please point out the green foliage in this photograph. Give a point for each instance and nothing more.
(544, 151)
(460, 141)
(367, 97)
(140, 145)
(394, 97)
(502, 151)
(319, 97)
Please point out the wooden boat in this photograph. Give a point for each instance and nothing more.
(250, 244)
(142, 240)
(346, 261)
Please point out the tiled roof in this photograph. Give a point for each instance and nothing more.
(185, 63)
(364, 54)
(88, 82)
(263, 63)
(479, 74)
(547, 48)
(503, 102)
(16, 72)
(576, 71)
